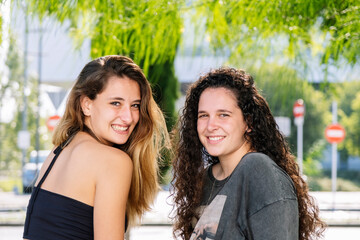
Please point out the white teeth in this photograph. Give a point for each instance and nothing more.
(119, 128)
(215, 138)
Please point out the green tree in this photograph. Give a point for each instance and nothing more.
(1, 21)
(292, 33)
(282, 87)
(147, 31)
(249, 32)
(349, 116)
(325, 28)
(9, 151)
(1, 24)
(8, 144)
(352, 125)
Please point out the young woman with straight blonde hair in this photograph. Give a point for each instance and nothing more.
(107, 174)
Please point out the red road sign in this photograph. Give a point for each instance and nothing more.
(52, 122)
(334, 133)
(299, 108)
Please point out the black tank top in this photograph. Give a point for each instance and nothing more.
(53, 216)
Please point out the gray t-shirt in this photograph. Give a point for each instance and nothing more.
(257, 201)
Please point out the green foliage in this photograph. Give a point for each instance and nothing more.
(166, 89)
(251, 33)
(148, 31)
(346, 181)
(247, 25)
(10, 154)
(341, 20)
(1, 21)
(349, 109)
(313, 157)
(352, 175)
(281, 88)
(323, 183)
(1, 24)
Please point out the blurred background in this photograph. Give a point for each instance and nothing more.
(304, 56)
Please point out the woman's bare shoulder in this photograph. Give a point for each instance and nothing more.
(101, 157)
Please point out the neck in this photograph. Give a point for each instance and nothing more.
(228, 164)
(88, 130)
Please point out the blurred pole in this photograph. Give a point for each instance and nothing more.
(37, 146)
(334, 155)
(24, 114)
(300, 147)
(299, 112)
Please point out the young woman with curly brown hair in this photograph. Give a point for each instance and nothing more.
(234, 175)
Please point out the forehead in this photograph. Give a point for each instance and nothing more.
(217, 97)
(122, 85)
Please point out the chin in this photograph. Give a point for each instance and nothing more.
(213, 154)
(120, 142)
(116, 141)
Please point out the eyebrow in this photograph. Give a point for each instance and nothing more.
(122, 99)
(219, 110)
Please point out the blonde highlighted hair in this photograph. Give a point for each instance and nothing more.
(145, 142)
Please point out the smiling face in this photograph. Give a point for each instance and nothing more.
(221, 124)
(114, 113)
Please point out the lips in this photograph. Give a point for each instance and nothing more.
(215, 138)
(119, 128)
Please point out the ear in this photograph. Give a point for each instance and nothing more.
(86, 104)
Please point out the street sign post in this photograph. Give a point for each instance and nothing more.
(299, 112)
(334, 133)
(299, 108)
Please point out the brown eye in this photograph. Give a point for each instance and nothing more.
(115, 103)
(137, 105)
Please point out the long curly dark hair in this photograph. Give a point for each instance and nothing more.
(191, 159)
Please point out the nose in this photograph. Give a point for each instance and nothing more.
(212, 124)
(126, 114)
